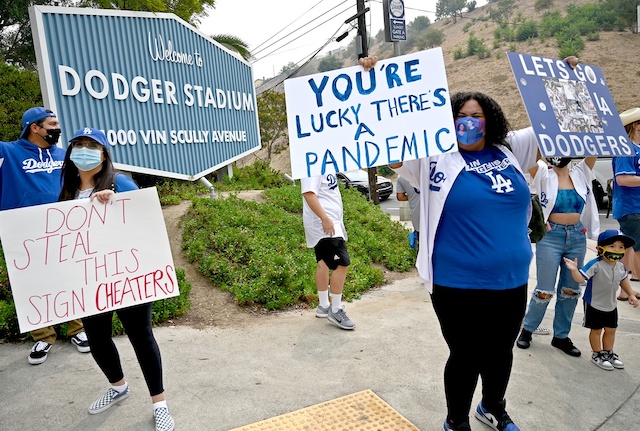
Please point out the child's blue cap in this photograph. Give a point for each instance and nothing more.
(612, 235)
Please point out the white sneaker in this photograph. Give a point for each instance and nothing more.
(614, 360)
(39, 352)
(540, 330)
(601, 360)
(81, 342)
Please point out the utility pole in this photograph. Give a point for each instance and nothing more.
(362, 45)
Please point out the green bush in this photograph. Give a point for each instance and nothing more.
(19, 91)
(467, 26)
(527, 30)
(386, 171)
(570, 46)
(257, 176)
(258, 253)
(551, 24)
(459, 53)
(591, 17)
(476, 46)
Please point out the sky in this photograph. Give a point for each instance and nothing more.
(262, 23)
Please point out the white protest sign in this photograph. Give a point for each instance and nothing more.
(78, 258)
(351, 119)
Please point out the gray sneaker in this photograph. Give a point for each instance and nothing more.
(107, 400)
(322, 311)
(340, 319)
(601, 359)
(614, 360)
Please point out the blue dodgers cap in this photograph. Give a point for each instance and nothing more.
(92, 133)
(34, 115)
(612, 235)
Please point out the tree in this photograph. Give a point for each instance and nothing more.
(502, 11)
(419, 24)
(19, 91)
(233, 43)
(16, 42)
(429, 39)
(626, 11)
(272, 115)
(290, 67)
(330, 62)
(189, 10)
(450, 8)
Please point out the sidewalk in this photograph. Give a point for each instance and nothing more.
(219, 379)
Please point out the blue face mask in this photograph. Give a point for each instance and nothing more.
(469, 130)
(86, 159)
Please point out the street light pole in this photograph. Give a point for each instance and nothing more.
(363, 51)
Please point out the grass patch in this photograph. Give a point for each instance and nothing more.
(258, 253)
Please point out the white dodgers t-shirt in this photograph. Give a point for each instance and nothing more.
(325, 187)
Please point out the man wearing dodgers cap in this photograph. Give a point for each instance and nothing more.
(626, 192)
(30, 175)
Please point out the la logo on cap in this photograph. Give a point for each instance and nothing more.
(86, 131)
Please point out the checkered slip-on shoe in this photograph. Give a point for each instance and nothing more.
(107, 400)
(164, 421)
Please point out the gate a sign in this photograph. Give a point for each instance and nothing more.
(171, 101)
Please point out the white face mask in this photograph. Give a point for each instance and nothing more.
(86, 159)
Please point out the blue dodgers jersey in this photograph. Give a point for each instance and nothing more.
(627, 199)
(29, 175)
(125, 184)
(482, 240)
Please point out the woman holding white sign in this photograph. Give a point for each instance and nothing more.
(88, 173)
(475, 204)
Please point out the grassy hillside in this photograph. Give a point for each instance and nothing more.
(616, 53)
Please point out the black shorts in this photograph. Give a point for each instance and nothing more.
(333, 251)
(596, 319)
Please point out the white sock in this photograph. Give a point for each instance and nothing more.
(336, 301)
(323, 298)
(159, 404)
(120, 388)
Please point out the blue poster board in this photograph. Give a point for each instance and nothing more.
(571, 110)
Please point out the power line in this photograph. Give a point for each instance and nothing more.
(312, 56)
(302, 26)
(286, 26)
(322, 23)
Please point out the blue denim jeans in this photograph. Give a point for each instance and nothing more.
(561, 241)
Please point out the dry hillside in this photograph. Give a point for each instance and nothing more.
(616, 53)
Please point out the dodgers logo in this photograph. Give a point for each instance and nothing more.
(435, 177)
(333, 181)
(544, 200)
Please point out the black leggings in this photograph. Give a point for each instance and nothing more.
(480, 327)
(137, 324)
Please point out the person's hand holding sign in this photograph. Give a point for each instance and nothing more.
(102, 196)
(368, 62)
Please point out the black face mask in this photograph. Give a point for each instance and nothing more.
(52, 136)
(559, 162)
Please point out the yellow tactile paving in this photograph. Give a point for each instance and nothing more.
(362, 411)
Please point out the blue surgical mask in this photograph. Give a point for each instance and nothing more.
(472, 131)
(86, 159)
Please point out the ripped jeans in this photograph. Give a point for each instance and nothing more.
(561, 241)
